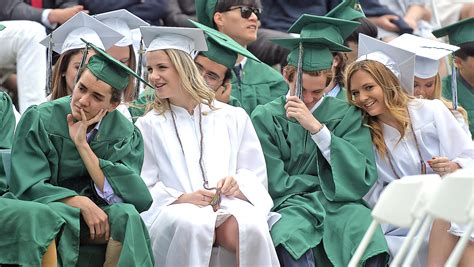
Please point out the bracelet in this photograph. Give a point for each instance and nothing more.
(318, 130)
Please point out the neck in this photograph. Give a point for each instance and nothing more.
(187, 103)
(239, 58)
(469, 80)
(331, 85)
(389, 119)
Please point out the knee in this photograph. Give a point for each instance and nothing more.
(122, 213)
(227, 235)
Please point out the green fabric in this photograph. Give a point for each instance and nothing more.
(465, 97)
(205, 10)
(320, 202)
(2, 27)
(459, 32)
(348, 10)
(55, 170)
(221, 48)
(7, 126)
(110, 70)
(342, 95)
(259, 85)
(315, 58)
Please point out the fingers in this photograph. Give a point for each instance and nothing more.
(70, 120)
(107, 230)
(230, 186)
(98, 117)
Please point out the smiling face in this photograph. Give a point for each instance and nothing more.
(313, 85)
(91, 95)
(163, 75)
(242, 30)
(213, 73)
(425, 88)
(367, 94)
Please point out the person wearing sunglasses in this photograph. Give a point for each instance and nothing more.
(253, 83)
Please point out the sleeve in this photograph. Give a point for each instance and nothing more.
(161, 194)
(373, 8)
(150, 10)
(32, 145)
(176, 17)
(19, 10)
(455, 143)
(323, 141)
(7, 121)
(101, 6)
(122, 169)
(108, 194)
(352, 171)
(251, 168)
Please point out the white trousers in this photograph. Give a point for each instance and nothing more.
(21, 51)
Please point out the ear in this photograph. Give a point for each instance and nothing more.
(336, 60)
(457, 62)
(285, 75)
(218, 20)
(113, 106)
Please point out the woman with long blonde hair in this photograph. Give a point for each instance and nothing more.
(411, 136)
(203, 164)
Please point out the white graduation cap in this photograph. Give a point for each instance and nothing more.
(68, 36)
(428, 53)
(122, 21)
(401, 62)
(189, 40)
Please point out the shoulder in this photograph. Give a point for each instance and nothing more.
(335, 109)
(261, 72)
(275, 107)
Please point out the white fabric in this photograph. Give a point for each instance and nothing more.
(384, 59)
(45, 19)
(120, 26)
(172, 41)
(323, 137)
(73, 39)
(21, 52)
(438, 134)
(182, 234)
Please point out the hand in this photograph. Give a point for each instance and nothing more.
(228, 186)
(411, 22)
(200, 198)
(61, 15)
(386, 23)
(95, 218)
(223, 92)
(295, 108)
(77, 130)
(442, 165)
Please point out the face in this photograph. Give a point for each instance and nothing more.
(120, 53)
(367, 94)
(242, 30)
(163, 75)
(72, 68)
(212, 72)
(313, 88)
(424, 88)
(352, 56)
(466, 68)
(91, 95)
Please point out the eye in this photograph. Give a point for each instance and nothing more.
(355, 93)
(149, 70)
(369, 87)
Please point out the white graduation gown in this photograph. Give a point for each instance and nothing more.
(182, 234)
(438, 134)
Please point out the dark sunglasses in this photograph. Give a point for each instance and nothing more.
(246, 11)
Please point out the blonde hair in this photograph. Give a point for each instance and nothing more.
(191, 80)
(395, 99)
(437, 95)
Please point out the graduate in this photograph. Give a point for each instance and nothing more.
(28, 229)
(203, 164)
(318, 157)
(411, 136)
(253, 82)
(427, 80)
(461, 34)
(123, 22)
(84, 160)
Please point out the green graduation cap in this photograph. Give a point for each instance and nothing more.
(2, 27)
(335, 30)
(459, 32)
(348, 10)
(108, 69)
(221, 48)
(205, 10)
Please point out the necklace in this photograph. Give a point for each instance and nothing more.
(422, 162)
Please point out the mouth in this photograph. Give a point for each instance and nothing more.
(252, 27)
(159, 85)
(369, 104)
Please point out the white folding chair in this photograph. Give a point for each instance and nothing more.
(451, 201)
(398, 205)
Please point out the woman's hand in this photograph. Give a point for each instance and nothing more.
(443, 166)
(200, 198)
(228, 186)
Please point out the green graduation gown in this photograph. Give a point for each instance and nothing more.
(259, 84)
(465, 97)
(320, 202)
(26, 228)
(55, 170)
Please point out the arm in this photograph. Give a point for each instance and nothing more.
(415, 13)
(7, 121)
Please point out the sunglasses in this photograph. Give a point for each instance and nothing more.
(246, 11)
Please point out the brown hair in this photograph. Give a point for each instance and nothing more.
(290, 71)
(395, 99)
(437, 95)
(59, 86)
(129, 92)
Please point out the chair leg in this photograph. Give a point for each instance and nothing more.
(455, 256)
(112, 253)
(50, 258)
(363, 244)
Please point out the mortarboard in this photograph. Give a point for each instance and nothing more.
(205, 10)
(348, 10)
(189, 40)
(459, 32)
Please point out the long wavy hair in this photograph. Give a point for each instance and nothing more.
(59, 86)
(129, 91)
(395, 99)
(437, 95)
(191, 80)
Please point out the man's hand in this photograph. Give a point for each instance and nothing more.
(78, 130)
(61, 15)
(95, 218)
(223, 92)
(385, 22)
(295, 108)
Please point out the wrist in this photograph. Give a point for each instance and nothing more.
(316, 129)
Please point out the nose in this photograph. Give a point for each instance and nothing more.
(307, 97)
(84, 100)
(153, 77)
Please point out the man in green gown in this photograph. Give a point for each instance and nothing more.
(27, 229)
(462, 35)
(253, 82)
(83, 158)
(319, 160)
